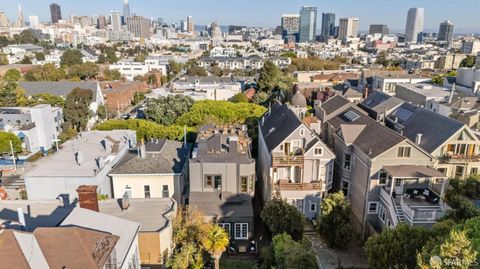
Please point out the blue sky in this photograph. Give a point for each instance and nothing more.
(464, 13)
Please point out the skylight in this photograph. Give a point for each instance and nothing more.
(351, 116)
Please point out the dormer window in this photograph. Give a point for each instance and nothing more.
(318, 151)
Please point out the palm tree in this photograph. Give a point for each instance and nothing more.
(215, 242)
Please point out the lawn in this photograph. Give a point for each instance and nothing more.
(229, 263)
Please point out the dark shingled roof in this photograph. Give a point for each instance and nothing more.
(375, 138)
(170, 158)
(226, 204)
(435, 128)
(59, 88)
(278, 125)
(378, 102)
(334, 103)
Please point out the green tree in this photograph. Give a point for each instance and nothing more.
(3, 59)
(334, 220)
(215, 242)
(140, 58)
(175, 67)
(46, 72)
(71, 57)
(239, 98)
(281, 217)
(269, 76)
(26, 60)
(290, 254)
(4, 41)
(84, 71)
(468, 62)
(260, 98)
(109, 75)
(396, 248)
(46, 98)
(76, 110)
(102, 112)
(166, 110)
(25, 37)
(8, 93)
(12, 75)
(196, 70)
(289, 54)
(5, 139)
(454, 252)
(40, 56)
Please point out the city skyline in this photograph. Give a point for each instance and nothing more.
(267, 13)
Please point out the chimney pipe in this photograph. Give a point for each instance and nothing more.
(452, 91)
(21, 217)
(143, 150)
(418, 139)
(87, 197)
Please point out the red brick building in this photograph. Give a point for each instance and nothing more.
(119, 95)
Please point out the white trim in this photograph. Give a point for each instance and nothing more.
(382, 210)
(241, 225)
(376, 208)
(321, 151)
(315, 205)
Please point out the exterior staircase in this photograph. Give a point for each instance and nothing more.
(399, 212)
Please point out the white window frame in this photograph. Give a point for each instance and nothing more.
(376, 208)
(380, 177)
(348, 187)
(318, 148)
(382, 215)
(243, 228)
(224, 226)
(350, 161)
(302, 132)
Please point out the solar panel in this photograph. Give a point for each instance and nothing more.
(351, 116)
(403, 114)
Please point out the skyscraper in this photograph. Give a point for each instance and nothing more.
(190, 25)
(308, 24)
(328, 24)
(414, 26)
(102, 22)
(34, 21)
(21, 19)
(139, 26)
(445, 32)
(378, 29)
(115, 21)
(3, 19)
(290, 25)
(126, 10)
(55, 13)
(347, 27)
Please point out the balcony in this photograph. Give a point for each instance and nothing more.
(282, 160)
(285, 185)
(450, 158)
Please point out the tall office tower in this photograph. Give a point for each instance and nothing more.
(183, 26)
(445, 32)
(34, 21)
(308, 24)
(126, 10)
(115, 21)
(328, 24)
(3, 19)
(414, 26)
(215, 31)
(139, 26)
(101, 22)
(378, 29)
(290, 25)
(55, 13)
(190, 25)
(21, 19)
(347, 27)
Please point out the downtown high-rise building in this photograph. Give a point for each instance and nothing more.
(190, 25)
(445, 31)
(126, 10)
(101, 22)
(308, 24)
(3, 19)
(55, 13)
(328, 24)
(21, 19)
(378, 29)
(115, 21)
(290, 25)
(414, 26)
(347, 27)
(139, 26)
(34, 21)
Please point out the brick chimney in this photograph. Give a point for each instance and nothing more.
(87, 197)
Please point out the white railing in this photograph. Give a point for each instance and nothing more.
(390, 204)
(421, 214)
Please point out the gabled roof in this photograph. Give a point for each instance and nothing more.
(378, 102)
(59, 88)
(334, 103)
(11, 254)
(413, 120)
(278, 124)
(373, 140)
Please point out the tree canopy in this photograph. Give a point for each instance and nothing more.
(281, 217)
(25, 37)
(334, 220)
(290, 254)
(165, 110)
(468, 62)
(12, 75)
(46, 72)
(5, 139)
(8, 93)
(84, 71)
(71, 57)
(77, 108)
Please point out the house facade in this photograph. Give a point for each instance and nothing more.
(294, 163)
(222, 178)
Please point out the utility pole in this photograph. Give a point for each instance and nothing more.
(13, 156)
